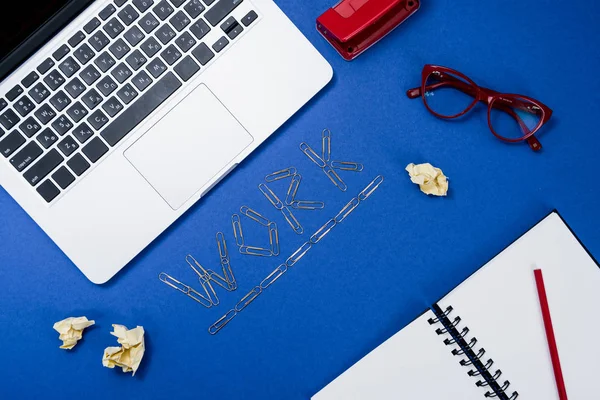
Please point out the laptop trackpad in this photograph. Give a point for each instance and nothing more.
(188, 147)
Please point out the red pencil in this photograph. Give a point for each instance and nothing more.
(558, 376)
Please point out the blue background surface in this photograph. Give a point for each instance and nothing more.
(394, 256)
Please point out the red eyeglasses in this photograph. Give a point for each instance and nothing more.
(512, 118)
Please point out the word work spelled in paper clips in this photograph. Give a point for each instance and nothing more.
(328, 166)
(205, 277)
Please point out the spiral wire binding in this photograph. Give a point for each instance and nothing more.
(472, 357)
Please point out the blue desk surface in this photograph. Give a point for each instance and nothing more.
(372, 275)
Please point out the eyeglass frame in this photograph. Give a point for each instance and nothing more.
(484, 95)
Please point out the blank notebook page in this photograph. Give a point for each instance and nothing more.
(500, 305)
(413, 364)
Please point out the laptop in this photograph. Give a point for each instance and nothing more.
(116, 116)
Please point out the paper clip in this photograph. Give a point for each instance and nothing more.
(298, 254)
(273, 276)
(220, 324)
(272, 197)
(255, 251)
(284, 173)
(335, 178)
(274, 238)
(291, 219)
(324, 230)
(348, 208)
(247, 299)
(250, 213)
(312, 155)
(185, 289)
(237, 229)
(326, 135)
(347, 166)
(293, 189)
(362, 196)
(308, 205)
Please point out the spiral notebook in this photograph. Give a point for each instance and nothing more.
(486, 338)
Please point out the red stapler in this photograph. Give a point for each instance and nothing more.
(352, 26)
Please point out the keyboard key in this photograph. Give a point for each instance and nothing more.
(112, 106)
(95, 149)
(194, 8)
(249, 18)
(63, 177)
(180, 20)
(150, 47)
(104, 62)
(45, 66)
(235, 32)
(91, 99)
(177, 3)
(119, 49)
(77, 112)
(127, 93)
(99, 40)
(14, 93)
(143, 5)
(185, 41)
(75, 87)
(60, 100)
(30, 127)
(113, 28)
(107, 12)
(228, 24)
(140, 109)
(199, 29)
(47, 138)
(9, 119)
(136, 60)
(149, 23)
(106, 85)
(220, 44)
(91, 26)
(3, 104)
(43, 167)
(11, 143)
(186, 68)
(165, 33)
(30, 79)
(24, 106)
(61, 52)
(45, 114)
(163, 10)
(76, 39)
(142, 80)
(171, 54)
(119, 3)
(134, 36)
(25, 157)
(62, 125)
(220, 10)
(67, 146)
(84, 53)
(203, 54)
(128, 15)
(83, 132)
(121, 73)
(48, 191)
(98, 119)
(90, 74)
(69, 66)
(78, 164)
(156, 67)
(54, 79)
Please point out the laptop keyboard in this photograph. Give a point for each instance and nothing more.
(104, 81)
